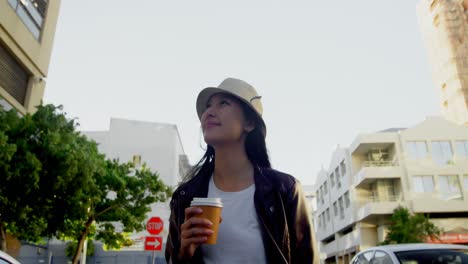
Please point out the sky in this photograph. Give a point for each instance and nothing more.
(327, 70)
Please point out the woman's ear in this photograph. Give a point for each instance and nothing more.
(249, 126)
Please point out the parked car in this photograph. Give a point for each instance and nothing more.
(413, 254)
(7, 259)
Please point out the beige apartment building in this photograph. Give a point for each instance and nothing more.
(423, 168)
(444, 25)
(27, 29)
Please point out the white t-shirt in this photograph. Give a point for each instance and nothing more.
(239, 235)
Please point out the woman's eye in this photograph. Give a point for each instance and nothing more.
(224, 102)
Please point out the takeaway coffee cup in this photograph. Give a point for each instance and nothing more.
(212, 211)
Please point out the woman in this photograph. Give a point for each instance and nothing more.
(264, 217)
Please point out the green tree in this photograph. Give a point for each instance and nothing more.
(120, 197)
(45, 166)
(71, 249)
(408, 228)
(54, 182)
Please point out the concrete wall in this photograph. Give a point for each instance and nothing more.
(159, 146)
(444, 26)
(33, 55)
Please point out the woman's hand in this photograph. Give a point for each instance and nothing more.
(194, 232)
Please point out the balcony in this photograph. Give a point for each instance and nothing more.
(348, 241)
(373, 170)
(376, 204)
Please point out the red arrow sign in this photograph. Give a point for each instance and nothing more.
(155, 225)
(153, 243)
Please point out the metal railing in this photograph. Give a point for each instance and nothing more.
(380, 163)
(376, 198)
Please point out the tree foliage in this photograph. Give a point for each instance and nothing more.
(45, 166)
(408, 228)
(119, 204)
(54, 182)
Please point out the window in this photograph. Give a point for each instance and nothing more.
(343, 168)
(321, 195)
(337, 173)
(325, 187)
(136, 160)
(332, 180)
(335, 209)
(462, 148)
(15, 79)
(449, 187)
(328, 214)
(32, 13)
(346, 198)
(465, 182)
(416, 149)
(442, 152)
(450, 255)
(381, 257)
(340, 202)
(423, 184)
(365, 257)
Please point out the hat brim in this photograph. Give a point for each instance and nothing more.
(206, 94)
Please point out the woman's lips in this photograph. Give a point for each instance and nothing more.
(211, 124)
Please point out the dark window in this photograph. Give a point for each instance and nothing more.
(2, 261)
(440, 256)
(13, 77)
(365, 258)
(381, 257)
(32, 13)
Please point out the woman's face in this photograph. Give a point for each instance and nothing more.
(223, 121)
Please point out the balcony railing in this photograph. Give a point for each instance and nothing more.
(381, 163)
(375, 198)
(451, 196)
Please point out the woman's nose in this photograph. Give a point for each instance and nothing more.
(209, 112)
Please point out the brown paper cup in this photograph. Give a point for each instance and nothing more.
(213, 214)
(212, 211)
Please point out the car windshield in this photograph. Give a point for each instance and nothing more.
(433, 256)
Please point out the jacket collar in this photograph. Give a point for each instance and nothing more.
(198, 186)
(262, 182)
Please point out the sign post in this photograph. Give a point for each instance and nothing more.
(154, 226)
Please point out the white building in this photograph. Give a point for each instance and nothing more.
(156, 144)
(444, 27)
(423, 168)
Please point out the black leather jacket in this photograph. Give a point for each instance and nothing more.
(287, 231)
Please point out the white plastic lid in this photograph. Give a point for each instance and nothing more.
(207, 202)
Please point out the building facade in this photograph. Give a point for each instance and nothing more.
(444, 24)
(155, 144)
(27, 29)
(423, 168)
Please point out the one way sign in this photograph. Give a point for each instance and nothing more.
(153, 243)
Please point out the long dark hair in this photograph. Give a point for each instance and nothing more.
(255, 147)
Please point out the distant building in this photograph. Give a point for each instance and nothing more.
(444, 24)
(423, 168)
(155, 144)
(309, 194)
(27, 29)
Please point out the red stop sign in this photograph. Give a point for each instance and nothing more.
(154, 225)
